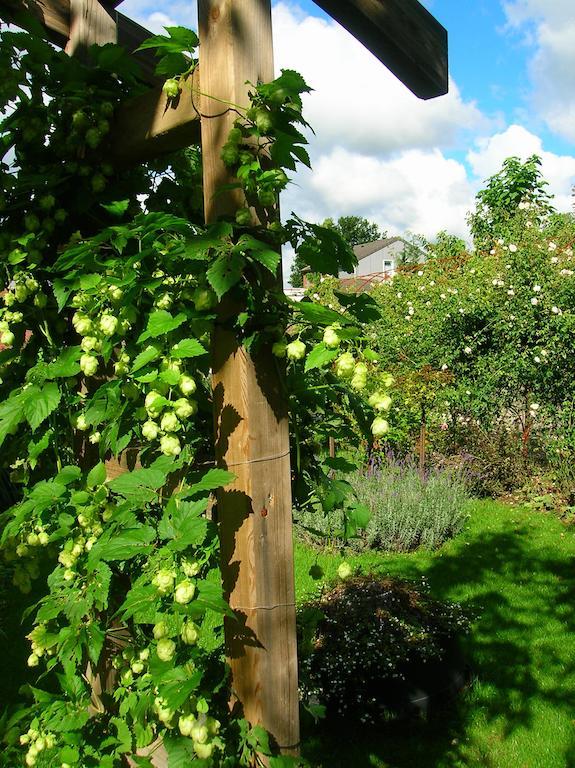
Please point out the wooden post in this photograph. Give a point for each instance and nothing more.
(250, 412)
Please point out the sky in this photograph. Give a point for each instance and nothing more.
(415, 166)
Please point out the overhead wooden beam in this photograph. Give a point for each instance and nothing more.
(90, 24)
(403, 35)
(55, 17)
(151, 125)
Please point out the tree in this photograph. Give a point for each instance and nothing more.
(446, 246)
(354, 230)
(513, 196)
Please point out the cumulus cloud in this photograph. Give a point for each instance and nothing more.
(147, 13)
(357, 102)
(550, 26)
(418, 190)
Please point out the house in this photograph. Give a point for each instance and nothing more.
(380, 256)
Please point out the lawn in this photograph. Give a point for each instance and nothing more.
(514, 569)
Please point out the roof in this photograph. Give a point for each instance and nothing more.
(366, 249)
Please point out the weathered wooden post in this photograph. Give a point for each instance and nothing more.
(251, 420)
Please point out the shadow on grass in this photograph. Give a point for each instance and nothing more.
(520, 588)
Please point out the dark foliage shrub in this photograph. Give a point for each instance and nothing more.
(377, 647)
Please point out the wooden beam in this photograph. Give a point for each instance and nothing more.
(55, 15)
(151, 125)
(90, 24)
(403, 35)
(250, 411)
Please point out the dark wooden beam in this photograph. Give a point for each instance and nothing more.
(403, 35)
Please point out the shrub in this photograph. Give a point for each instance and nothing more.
(407, 510)
(370, 647)
(495, 458)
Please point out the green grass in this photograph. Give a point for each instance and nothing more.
(514, 569)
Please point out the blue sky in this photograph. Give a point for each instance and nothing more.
(412, 165)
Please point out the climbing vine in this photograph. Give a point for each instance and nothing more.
(109, 307)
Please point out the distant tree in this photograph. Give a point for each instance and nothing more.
(354, 230)
(446, 246)
(415, 249)
(514, 195)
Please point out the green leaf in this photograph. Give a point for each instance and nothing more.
(11, 414)
(160, 323)
(172, 64)
(88, 282)
(340, 464)
(260, 252)
(210, 481)
(65, 365)
(117, 208)
(97, 475)
(362, 306)
(35, 449)
(61, 291)
(68, 474)
(356, 516)
(148, 355)
(183, 525)
(187, 348)
(317, 314)
(95, 641)
(210, 596)
(180, 40)
(139, 485)
(122, 545)
(40, 403)
(320, 356)
(225, 272)
(180, 751)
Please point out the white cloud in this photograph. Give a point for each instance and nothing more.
(417, 190)
(550, 26)
(357, 102)
(148, 14)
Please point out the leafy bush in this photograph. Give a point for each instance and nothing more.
(407, 510)
(496, 460)
(370, 647)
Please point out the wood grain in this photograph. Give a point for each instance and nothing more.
(250, 412)
(151, 125)
(90, 24)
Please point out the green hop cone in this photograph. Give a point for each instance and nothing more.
(166, 649)
(344, 366)
(171, 88)
(170, 445)
(150, 430)
(331, 337)
(184, 592)
(379, 427)
(345, 570)
(295, 350)
(380, 401)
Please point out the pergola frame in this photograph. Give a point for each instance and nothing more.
(250, 412)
